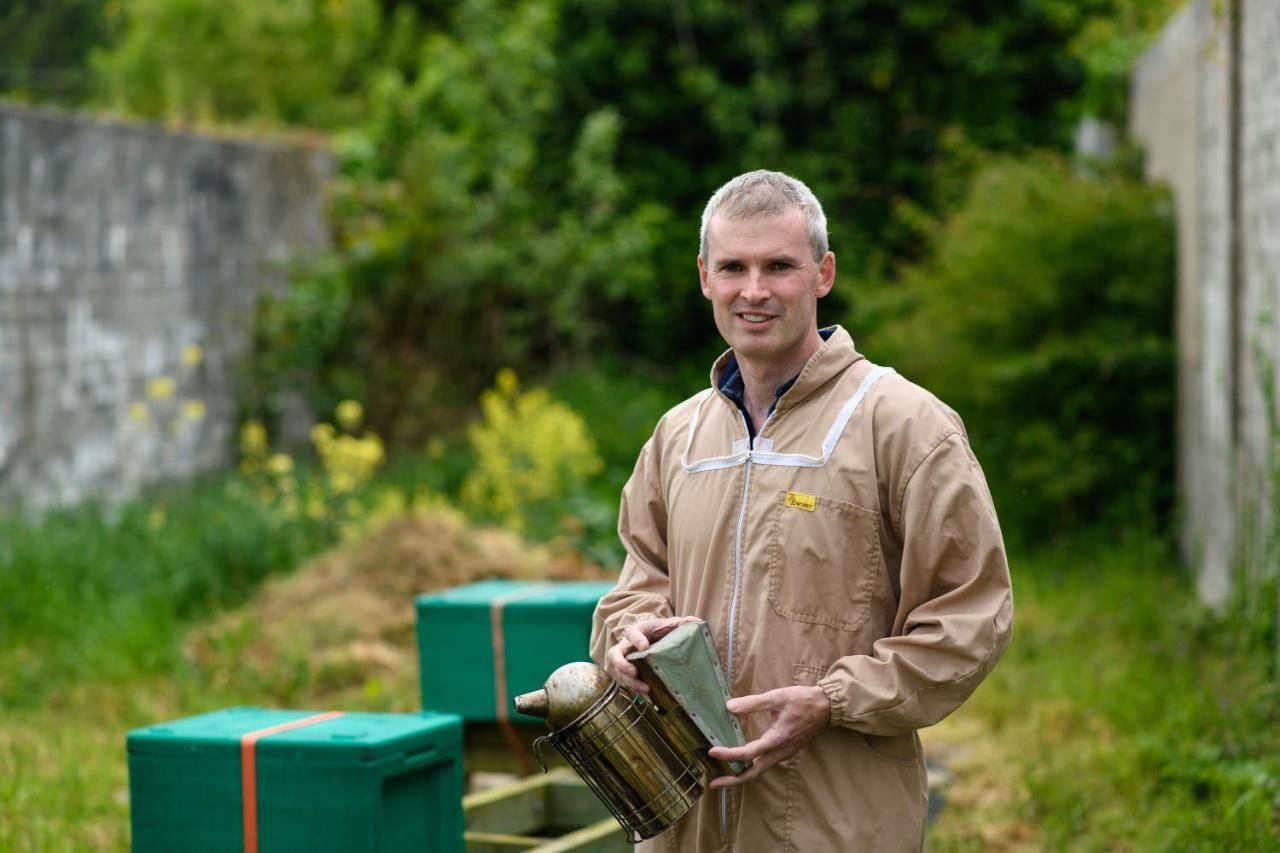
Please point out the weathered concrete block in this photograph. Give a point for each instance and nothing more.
(124, 248)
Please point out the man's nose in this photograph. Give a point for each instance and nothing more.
(754, 288)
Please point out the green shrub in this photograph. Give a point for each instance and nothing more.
(1044, 316)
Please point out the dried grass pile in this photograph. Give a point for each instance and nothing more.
(341, 628)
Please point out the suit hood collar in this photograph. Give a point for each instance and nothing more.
(835, 355)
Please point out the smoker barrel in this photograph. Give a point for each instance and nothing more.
(616, 741)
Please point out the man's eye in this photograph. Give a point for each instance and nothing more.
(732, 267)
(781, 266)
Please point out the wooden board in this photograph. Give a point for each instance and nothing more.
(552, 813)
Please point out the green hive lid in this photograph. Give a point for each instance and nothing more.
(354, 736)
(531, 593)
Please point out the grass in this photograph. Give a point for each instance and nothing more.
(98, 592)
(336, 634)
(1123, 717)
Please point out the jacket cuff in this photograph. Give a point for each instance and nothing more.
(835, 695)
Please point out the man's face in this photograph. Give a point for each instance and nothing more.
(764, 287)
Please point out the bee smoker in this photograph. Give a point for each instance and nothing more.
(646, 760)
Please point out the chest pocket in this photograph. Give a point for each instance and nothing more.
(824, 561)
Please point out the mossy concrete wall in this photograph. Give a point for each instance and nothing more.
(1206, 108)
(130, 261)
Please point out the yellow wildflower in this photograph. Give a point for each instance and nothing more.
(253, 439)
(349, 414)
(194, 410)
(507, 382)
(160, 388)
(139, 413)
(322, 434)
(192, 354)
(280, 464)
(529, 448)
(156, 519)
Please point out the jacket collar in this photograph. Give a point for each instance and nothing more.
(836, 354)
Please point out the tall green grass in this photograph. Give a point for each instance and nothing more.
(1131, 717)
(100, 591)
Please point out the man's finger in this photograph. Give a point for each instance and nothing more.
(770, 700)
(636, 684)
(622, 670)
(636, 638)
(618, 663)
(753, 772)
(770, 740)
(757, 768)
(659, 629)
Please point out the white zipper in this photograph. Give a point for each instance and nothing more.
(737, 542)
(733, 599)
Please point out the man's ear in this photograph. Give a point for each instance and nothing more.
(702, 278)
(826, 274)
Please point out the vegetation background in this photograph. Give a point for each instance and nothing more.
(509, 306)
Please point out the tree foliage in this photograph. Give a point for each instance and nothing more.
(304, 62)
(521, 182)
(45, 45)
(536, 177)
(1044, 316)
(464, 242)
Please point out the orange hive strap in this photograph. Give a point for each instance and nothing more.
(500, 670)
(249, 771)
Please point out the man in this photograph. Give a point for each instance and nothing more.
(830, 523)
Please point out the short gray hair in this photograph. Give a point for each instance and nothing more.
(765, 193)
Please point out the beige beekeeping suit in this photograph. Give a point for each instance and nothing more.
(854, 546)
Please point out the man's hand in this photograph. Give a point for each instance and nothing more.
(637, 638)
(799, 713)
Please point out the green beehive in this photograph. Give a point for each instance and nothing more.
(356, 783)
(467, 634)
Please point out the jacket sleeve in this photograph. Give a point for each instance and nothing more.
(955, 610)
(643, 590)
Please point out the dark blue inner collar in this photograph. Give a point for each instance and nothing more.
(731, 385)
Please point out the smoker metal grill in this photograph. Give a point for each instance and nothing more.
(618, 746)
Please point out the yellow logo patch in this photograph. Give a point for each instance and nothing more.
(799, 500)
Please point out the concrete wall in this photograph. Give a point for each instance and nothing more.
(1259, 258)
(1210, 123)
(126, 251)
